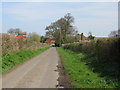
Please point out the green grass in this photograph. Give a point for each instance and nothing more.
(80, 74)
(12, 59)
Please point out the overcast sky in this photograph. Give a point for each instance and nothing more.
(100, 18)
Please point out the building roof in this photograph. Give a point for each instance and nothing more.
(20, 36)
(50, 41)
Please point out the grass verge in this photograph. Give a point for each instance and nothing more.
(8, 61)
(80, 74)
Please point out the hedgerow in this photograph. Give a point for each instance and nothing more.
(105, 48)
(106, 53)
(11, 43)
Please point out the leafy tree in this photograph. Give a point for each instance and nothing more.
(43, 39)
(34, 37)
(71, 39)
(90, 36)
(61, 29)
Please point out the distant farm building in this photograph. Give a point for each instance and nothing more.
(81, 37)
(50, 41)
(21, 36)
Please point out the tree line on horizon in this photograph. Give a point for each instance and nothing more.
(62, 31)
(30, 36)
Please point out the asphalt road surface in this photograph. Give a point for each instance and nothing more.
(38, 72)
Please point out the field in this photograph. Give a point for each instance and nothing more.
(83, 73)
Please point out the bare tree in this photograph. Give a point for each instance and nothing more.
(18, 31)
(11, 31)
(113, 33)
(15, 31)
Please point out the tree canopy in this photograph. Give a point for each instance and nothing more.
(90, 36)
(62, 29)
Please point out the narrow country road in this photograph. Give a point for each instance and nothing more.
(38, 72)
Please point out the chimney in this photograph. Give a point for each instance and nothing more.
(81, 36)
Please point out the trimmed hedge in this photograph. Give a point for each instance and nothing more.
(11, 43)
(105, 48)
(107, 56)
